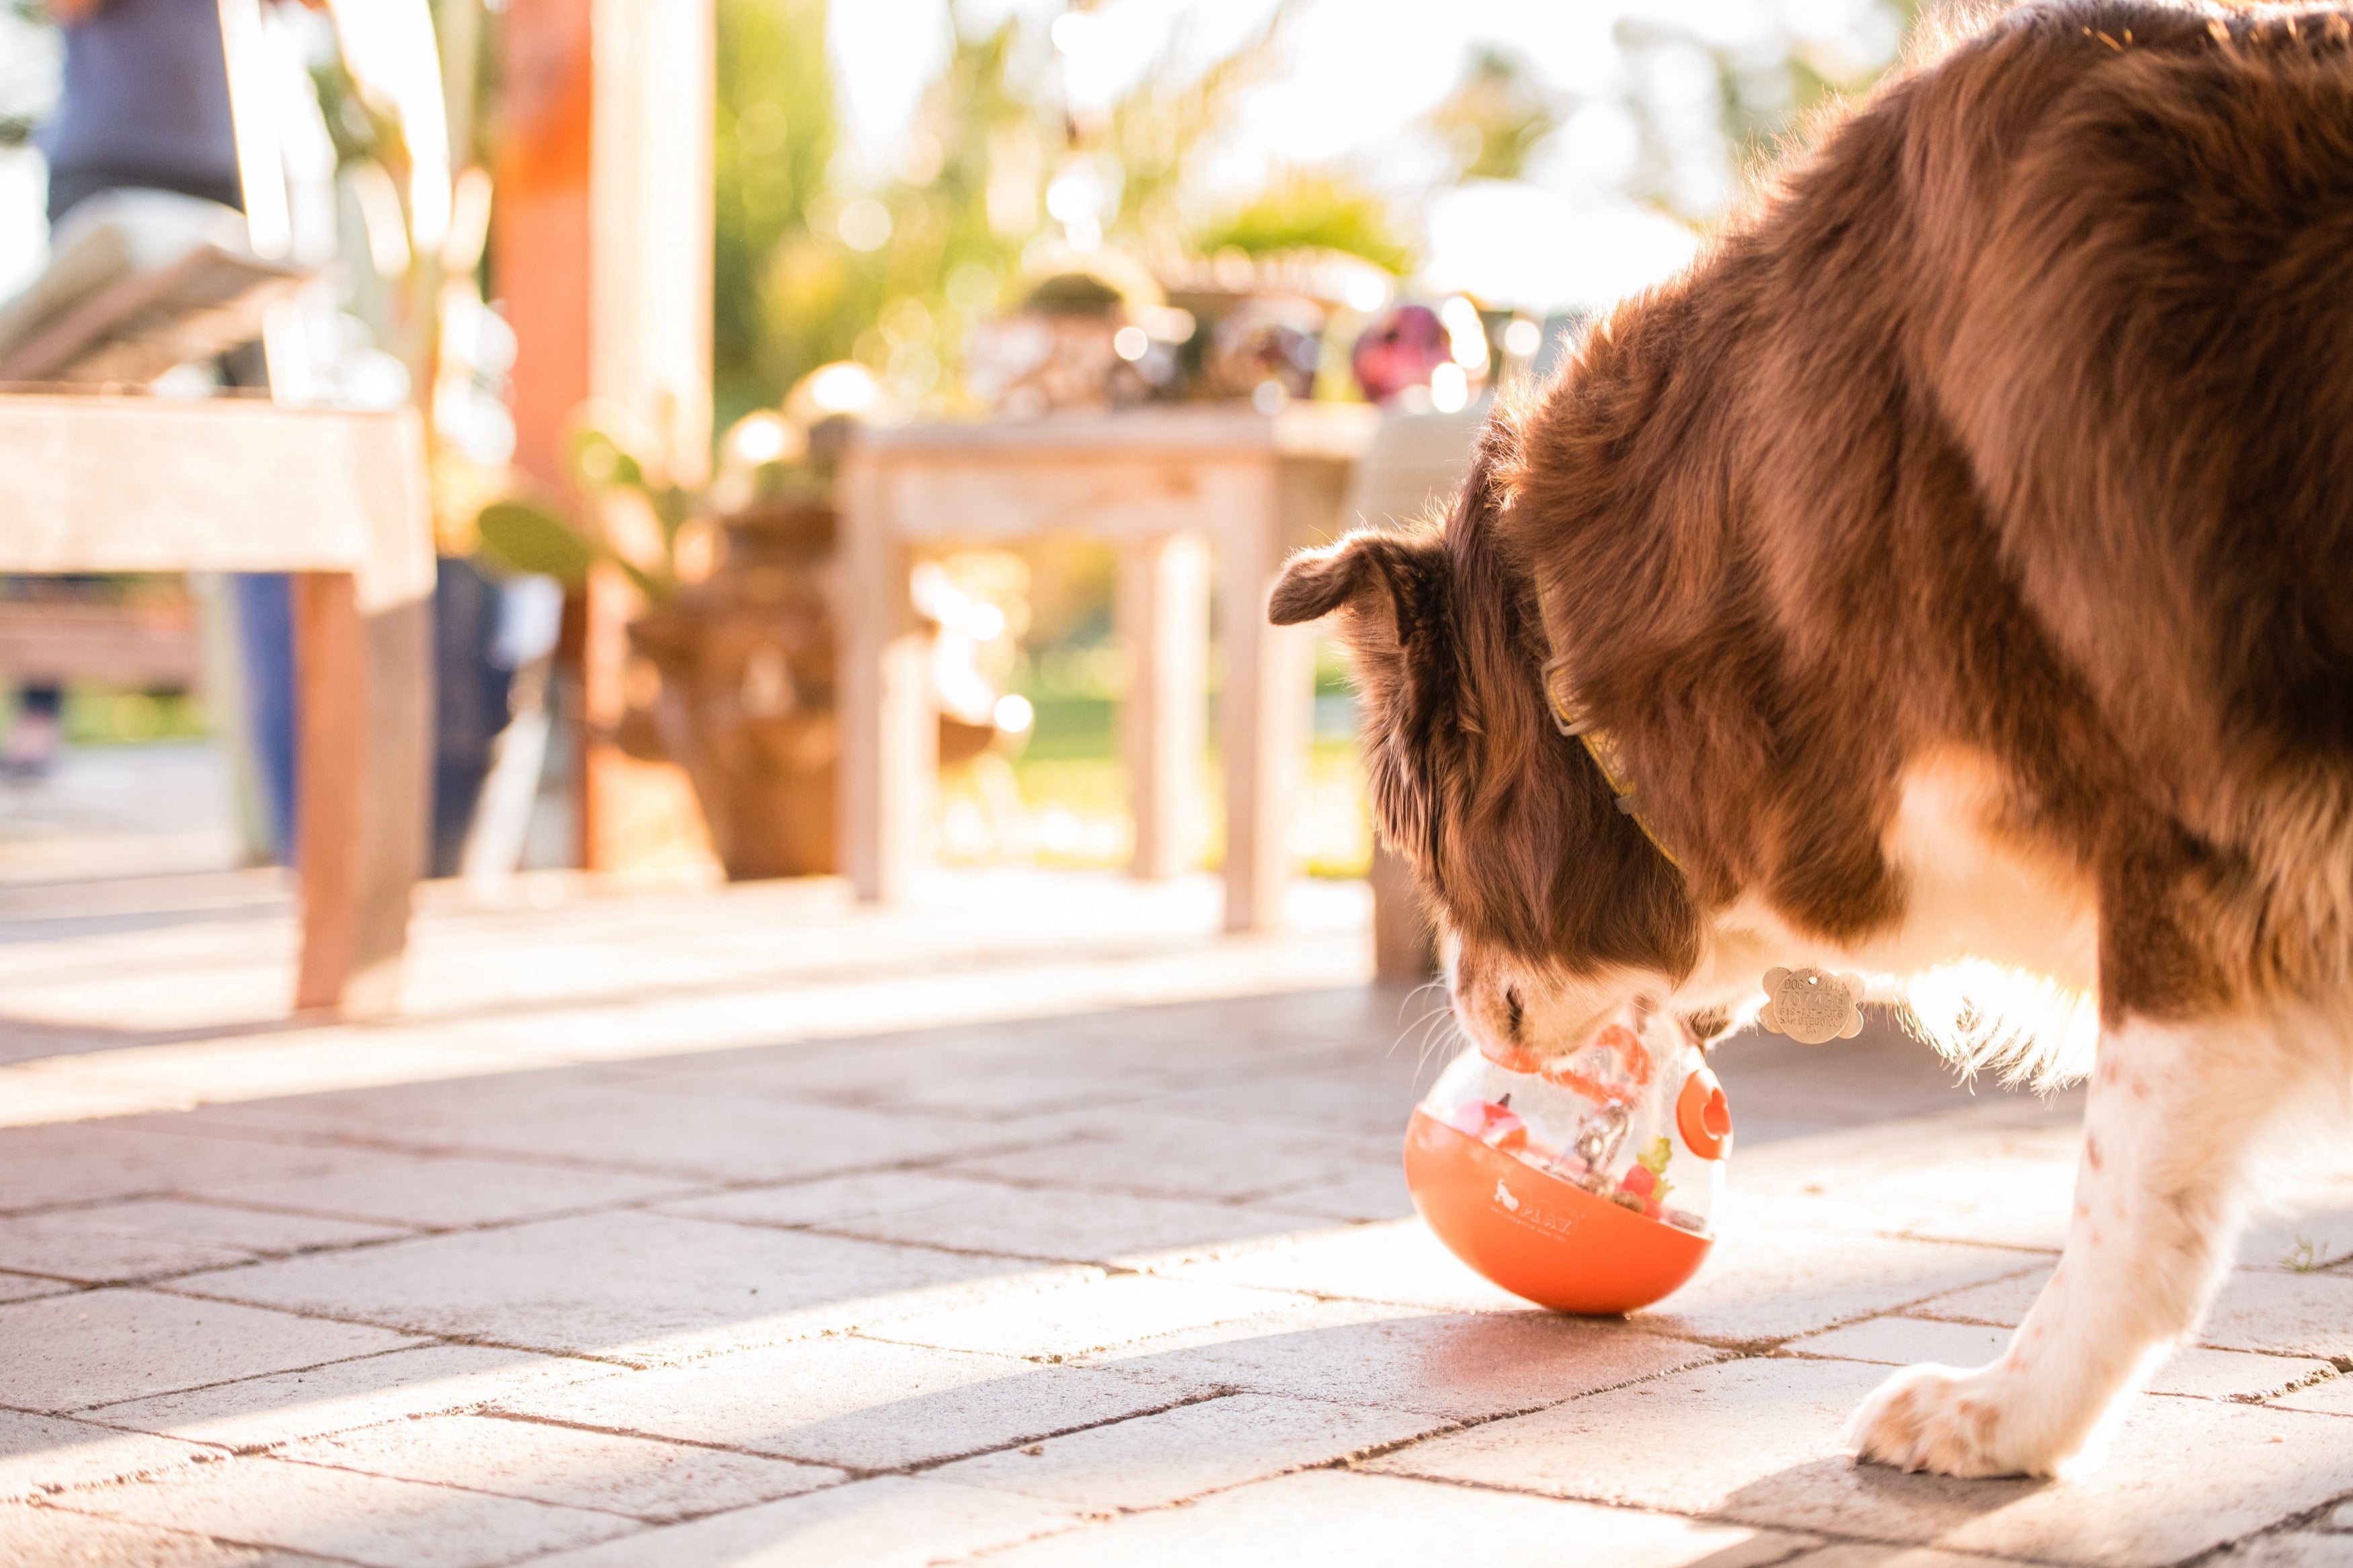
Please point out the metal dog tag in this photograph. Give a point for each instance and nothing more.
(1811, 1007)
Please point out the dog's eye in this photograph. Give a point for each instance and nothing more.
(1512, 1007)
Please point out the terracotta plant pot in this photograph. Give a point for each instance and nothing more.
(745, 703)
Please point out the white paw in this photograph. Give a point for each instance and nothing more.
(1955, 1423)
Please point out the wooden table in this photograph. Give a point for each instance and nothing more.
(1174, 489)
(138, 484)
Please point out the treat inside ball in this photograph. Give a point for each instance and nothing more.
(1583, 1182)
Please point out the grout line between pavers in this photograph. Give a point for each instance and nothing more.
(421, 1341)
(485, 1491)
(860, 1472)
(1800, 1541)
(47, 1494)
(147, 1282)
(2293, 1523)
(1807, 1538)
(229, 1541)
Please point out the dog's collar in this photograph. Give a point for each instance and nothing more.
(1570, 717)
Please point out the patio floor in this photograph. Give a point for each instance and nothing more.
(1035, 1225)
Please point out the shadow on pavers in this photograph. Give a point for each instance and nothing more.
(1841, 1494)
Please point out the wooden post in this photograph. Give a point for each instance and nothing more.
(1263, 704)
(605, 211)
(889, 773)
(1161, 618)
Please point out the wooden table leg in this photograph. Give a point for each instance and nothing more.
(364, 686)
(1405, 939)
(1263, 709)
(1161, 618)
(889, 771)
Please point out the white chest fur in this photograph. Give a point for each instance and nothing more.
(1997, 951)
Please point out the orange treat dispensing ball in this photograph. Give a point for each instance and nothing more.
(1584, 1184)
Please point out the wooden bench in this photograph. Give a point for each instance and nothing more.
(146, 647)
(137, 484)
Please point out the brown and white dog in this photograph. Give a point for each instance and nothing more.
(1955, 566)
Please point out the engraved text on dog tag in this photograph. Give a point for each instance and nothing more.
(1811, 1007)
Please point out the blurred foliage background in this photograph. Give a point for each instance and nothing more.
(825, 250)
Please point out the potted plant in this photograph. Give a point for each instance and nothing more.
(735, 683)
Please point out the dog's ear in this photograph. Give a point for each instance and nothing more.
(1387, 586)
(1390, 593)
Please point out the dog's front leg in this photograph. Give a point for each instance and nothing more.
(2174, 1113)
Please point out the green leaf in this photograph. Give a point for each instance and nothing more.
(527, 538)
(673, 505)
(602, 463)
(655, 589)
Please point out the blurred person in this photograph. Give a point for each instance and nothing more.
(34, 735)
(144, 105)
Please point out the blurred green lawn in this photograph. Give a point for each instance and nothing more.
(1073, 788)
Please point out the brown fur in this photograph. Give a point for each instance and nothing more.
(2016, 418)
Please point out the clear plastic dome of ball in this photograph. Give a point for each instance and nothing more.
(1585, 1183)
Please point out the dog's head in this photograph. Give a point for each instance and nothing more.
(1565, 915)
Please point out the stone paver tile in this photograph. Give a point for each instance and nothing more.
(649, 1478)
(1352, 1101)
(937, 1083)
(31, 1534)
(2331, 1396)
(96, 1347)
(2309, 1222)
(2342, 1520)
(1078, 1319)
(255, 1412)
(2284, 1313)
(370, 1520)
(2003, 1303)
(437, 1192)
(1372, 1191)
(891, 1522)
(2205, 1374)
(632, 1285)
(82, 1160)
(2315, 1238)
(1400, 1262)
(2194, 1371)
(1999, 1200)
(2258, 1310)
(1762, 1440)
(41, 1453)
(1082, 1226)
(834, 1199)
(2301, 1550)
(1462, 1365)
(556, 1115)
(1175, 1156)
(1154, 1460)
(233, 1163)
(1901, 1341)
(1760, 1286)
(25, 1286)
(854, 1402)
(149, 1237)
(1387, 1521)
